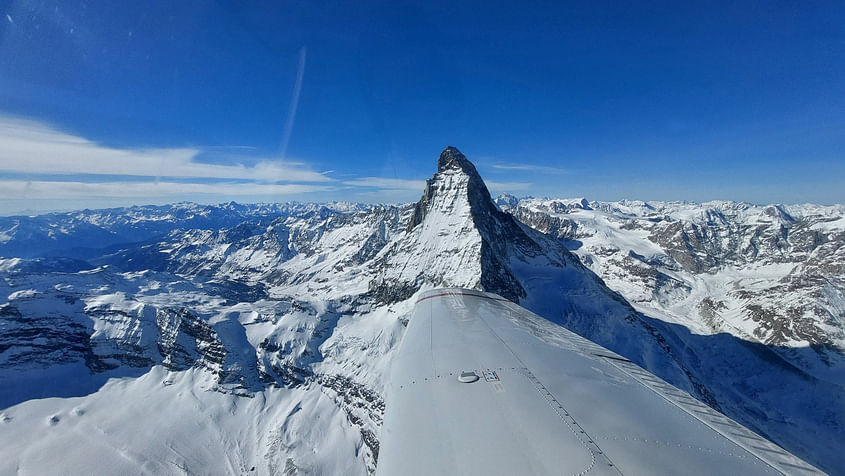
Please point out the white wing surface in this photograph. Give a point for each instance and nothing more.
(545, 401)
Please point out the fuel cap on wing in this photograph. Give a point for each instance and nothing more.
(467, 376)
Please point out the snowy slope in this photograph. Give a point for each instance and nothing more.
(261, 336)
(174, 423)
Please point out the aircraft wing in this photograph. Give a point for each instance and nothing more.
(483, 386)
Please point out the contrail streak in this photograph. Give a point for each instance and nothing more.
(297, 88)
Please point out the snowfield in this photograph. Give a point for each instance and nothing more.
(175, 423)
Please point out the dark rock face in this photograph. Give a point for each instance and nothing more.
(388, 292)
(422, 206)
(187, 341)
(360, 404)
(551, 225)
(42, 341)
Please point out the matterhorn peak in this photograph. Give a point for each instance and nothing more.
(456, 180)
(452, 158)
(457, 237)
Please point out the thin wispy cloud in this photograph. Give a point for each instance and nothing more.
(43, 163)
(60, 190)
(35, 148)
(387, 183)
(531, 168)
(230, 147)
(495, 186)
(294, 102)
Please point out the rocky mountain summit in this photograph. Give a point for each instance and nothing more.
(258, 338)
(456, 236)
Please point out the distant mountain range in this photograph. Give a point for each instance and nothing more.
(256, 339)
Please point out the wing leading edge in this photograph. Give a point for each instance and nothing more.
(483, 386)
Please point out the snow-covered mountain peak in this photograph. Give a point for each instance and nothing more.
(452, 158)
(456, 186)
(457, 237)
(442, 244)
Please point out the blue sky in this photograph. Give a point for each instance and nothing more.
(110, 103)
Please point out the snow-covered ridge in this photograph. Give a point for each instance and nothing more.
(71, 233)
(773, 274)
(266, 331)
